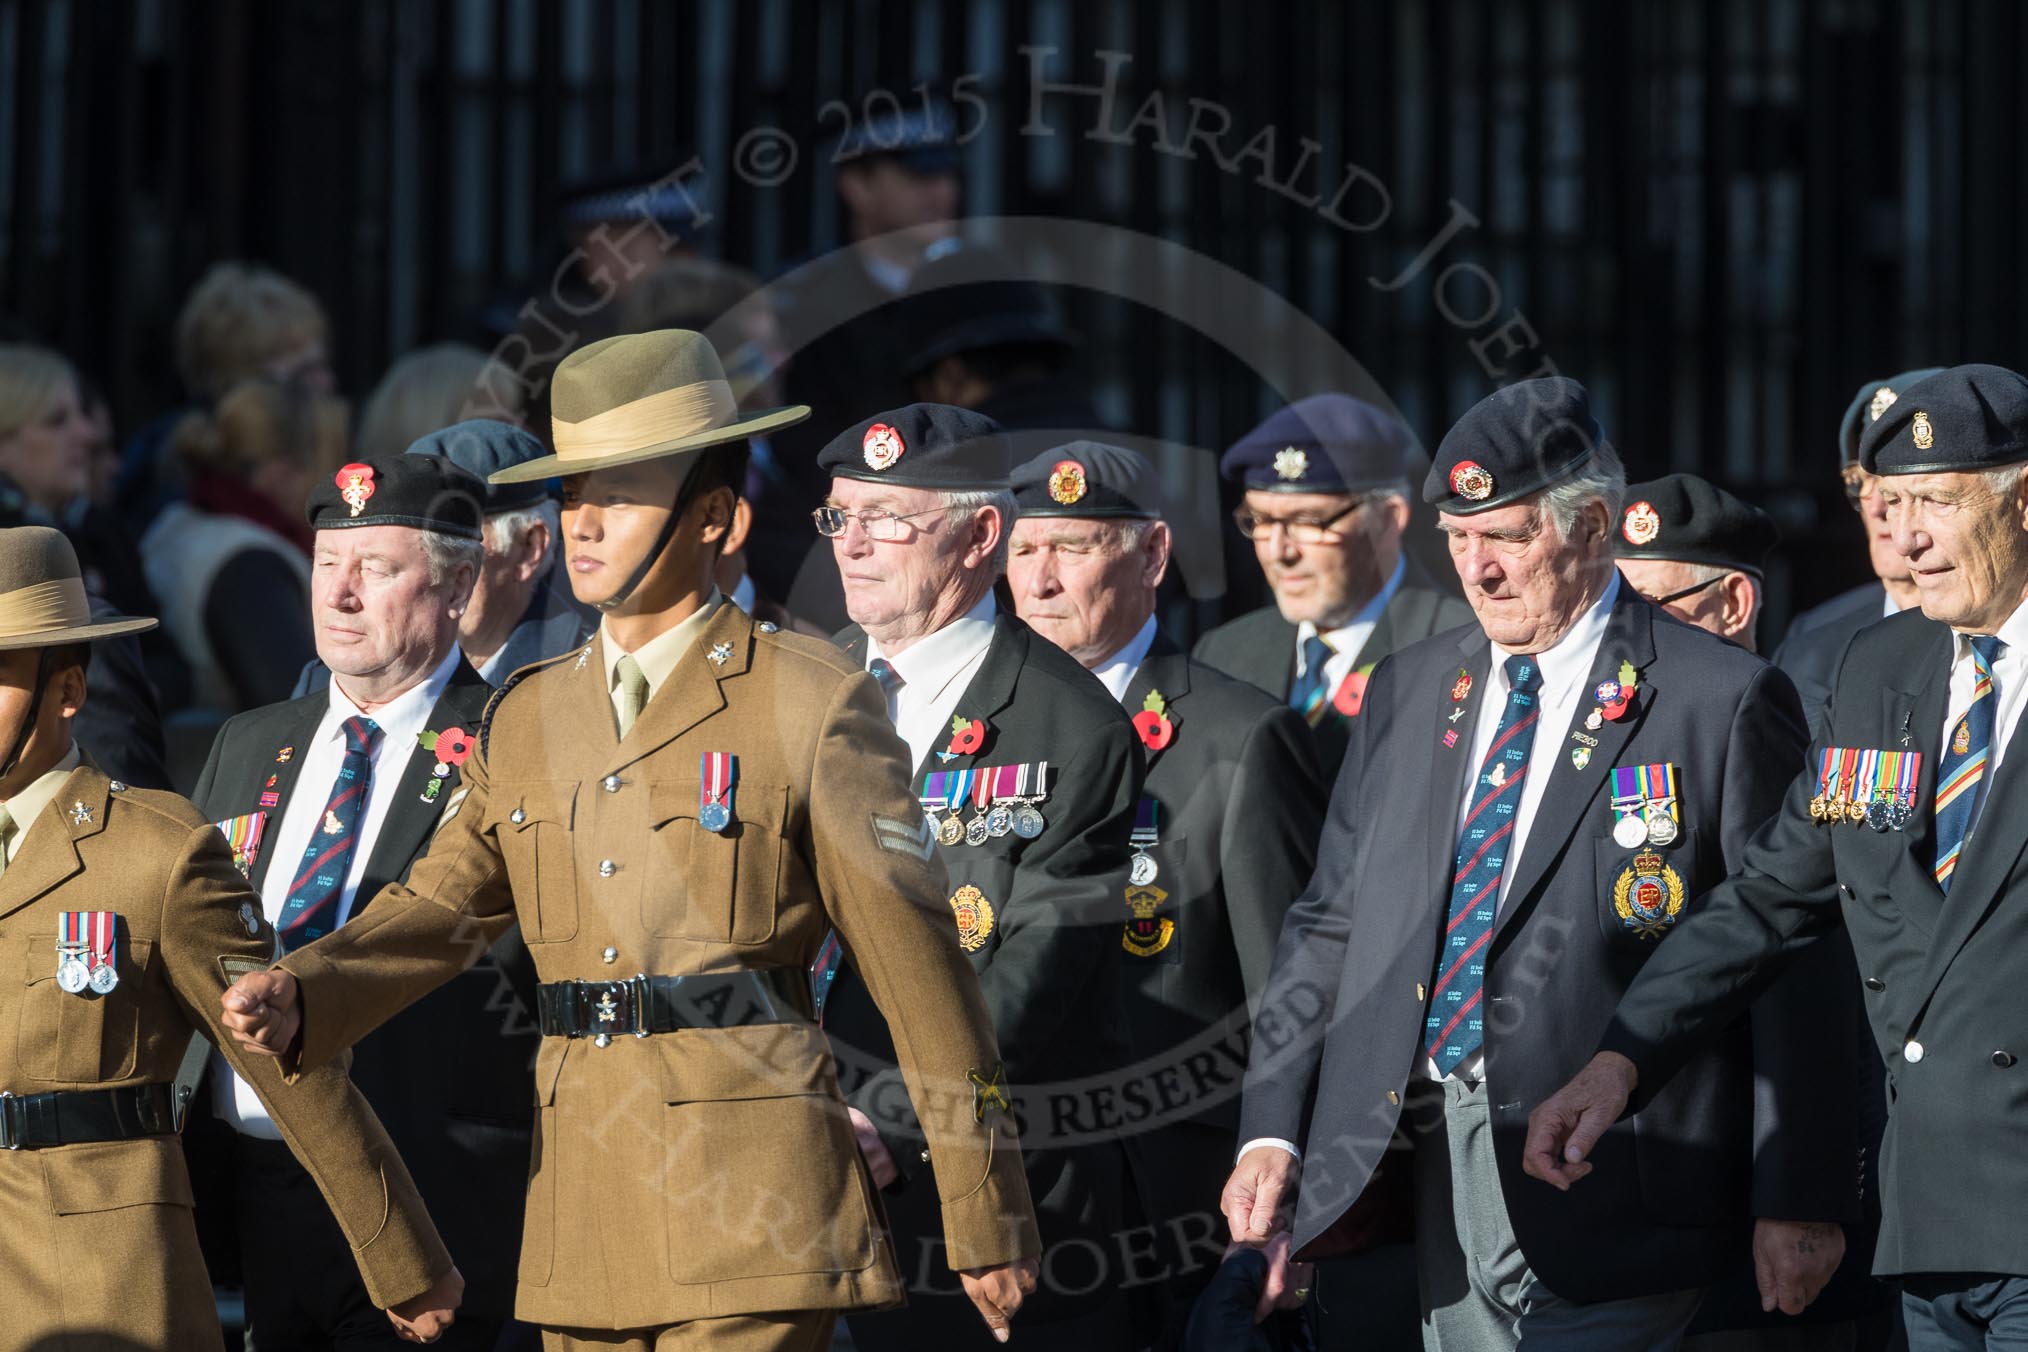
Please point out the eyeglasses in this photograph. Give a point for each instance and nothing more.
(1304, 530)
(876, 522)
(1858, 483)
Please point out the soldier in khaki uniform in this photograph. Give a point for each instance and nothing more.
(123, 916)
(677, 814)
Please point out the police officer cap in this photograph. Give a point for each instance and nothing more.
(426, 492)
(1520, 440)
(1327, 443)
(966, 297)
(482, 446)
(922, 446)
(1685, 519)
(669, 198)
(1088, 479)
(922, 135)
(1875, 397)
(1967, 418)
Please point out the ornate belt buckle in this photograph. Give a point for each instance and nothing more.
(611, 1012)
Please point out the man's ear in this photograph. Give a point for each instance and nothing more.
(1156, 547)
(715, 513)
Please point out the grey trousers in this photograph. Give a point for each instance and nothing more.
(1478, 1293)
(1965, 1313)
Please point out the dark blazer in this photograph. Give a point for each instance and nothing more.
(1950, 978)
(1816, 640)
(1240, 805)
(452, 1075)
(1343, 1019)
(1260, 648)
(1050, 972)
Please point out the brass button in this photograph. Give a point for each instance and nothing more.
(517, 816)
(611, 955)
(1393, 1097)
(607, 868)
(612, 784)
(1421, 991)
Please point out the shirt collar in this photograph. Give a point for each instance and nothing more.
(1569, 660)
(25, 806)
(401, 717)
(743, 593)
(930, 663)
(1117, 671)
(660, 654)
(1369, 614)
(2013, 633)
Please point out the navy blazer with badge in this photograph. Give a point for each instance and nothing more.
(1260, 648)
(1050, 971)
(1945, 982)
(1240, 803)
(1343, 1020)
(452, 1075)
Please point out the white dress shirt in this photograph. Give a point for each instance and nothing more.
(659, 655)
(1566, 675)
(934, 672)
(1347, 639)
(289, 833)
(1117, 672)
(28, 805)
(2010, 688)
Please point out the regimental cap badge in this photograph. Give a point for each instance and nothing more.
(1641, 524)
(1883, 399)
(1291, 464)
(1066, 482)
(1924, 434)
(881, 446)
(355, 485)
(1471, 481)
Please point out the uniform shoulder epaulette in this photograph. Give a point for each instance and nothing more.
(580, 654)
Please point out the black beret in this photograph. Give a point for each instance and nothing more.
(922, 446)
(1089, 479)
(1327, 443)
(1685, 519)
(1875, 397)
(1967, 418)
(427, 492)
(482, 446)
(1520, 440)
(966, 297)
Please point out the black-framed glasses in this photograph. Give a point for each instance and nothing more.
(1690, 590)
(1304, 530)
(1857, 484)
(878, 523)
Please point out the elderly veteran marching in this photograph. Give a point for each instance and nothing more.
(677, 814)
(123, 912)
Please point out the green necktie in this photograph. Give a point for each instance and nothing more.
(633, 692)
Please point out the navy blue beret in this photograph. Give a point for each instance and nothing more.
(1685, 519)
(482, 446)
(1966, 418)
(1875, 397)
(922, 446)
(1088, 479)
(1516, 441)
(1327, 443)
(426, 492)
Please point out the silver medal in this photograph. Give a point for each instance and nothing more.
(1630, 832)
(1143, 870)
(1000, 821)
(1877, 814)
(1900, 813)
(1661, 828)
(714, 817)
(72, 976)
(1028, 823)
(976, 832)
(104, 978)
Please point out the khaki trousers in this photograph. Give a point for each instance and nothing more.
(796, 1331)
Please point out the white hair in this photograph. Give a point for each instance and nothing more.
(960, 506)
(503, 530)
(445, 554)
(1603, 479)
(2005, 479)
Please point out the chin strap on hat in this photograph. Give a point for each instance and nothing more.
(668, 533)
(43, 667)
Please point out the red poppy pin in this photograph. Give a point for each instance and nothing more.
(1350, 695)
(1461, 687)
(1153, 723)
(453, 745)
(967, 736)
(355, 485)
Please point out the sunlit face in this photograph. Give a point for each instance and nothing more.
(1888, 565)
(890, 583)
(1075, 584)
(377, 615)
(49, 457)
(613, 519)
(1326, 581)
(1966, 546)
(1526, 582)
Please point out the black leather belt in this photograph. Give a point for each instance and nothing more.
(642, 1005)
(72, 1117)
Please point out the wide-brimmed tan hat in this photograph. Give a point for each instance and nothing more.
(642, 396)
(42, 594)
